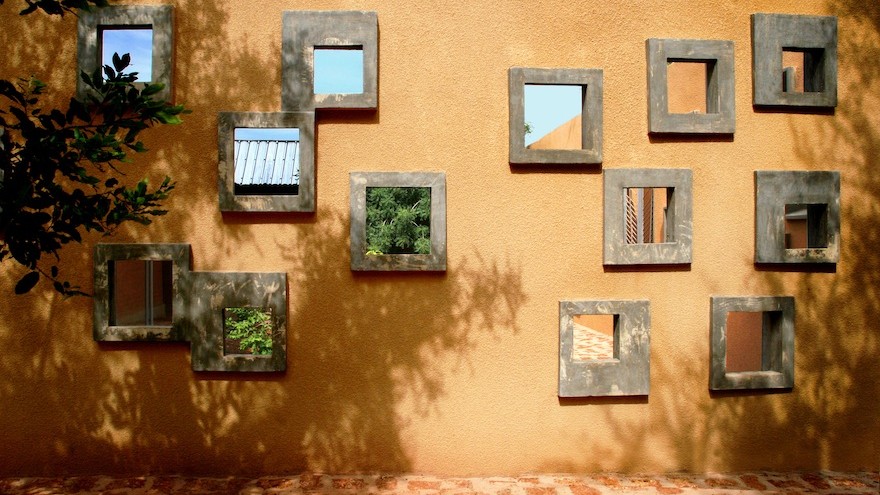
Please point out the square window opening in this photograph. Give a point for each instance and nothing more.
(398, 220)
(266, 161)
(339, 70)
(553, 116)
(595, 337)
(753, 341)
(135, 40)
(803, 70)
(248, 331)
(691, 86)
(648, 215)
(806, 226)
(140, 292)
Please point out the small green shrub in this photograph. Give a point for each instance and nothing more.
(398, 220)
(251, 328)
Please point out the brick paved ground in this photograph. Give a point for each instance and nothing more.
(863, 483)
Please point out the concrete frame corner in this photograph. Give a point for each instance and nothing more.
(628, 375)
(771, 33)
(777, 346)
(591, 80)
(720, 116)
(159, 17)
(360, 261)
(774, 190)
(302, 31)
(304, 200)
(616, 251)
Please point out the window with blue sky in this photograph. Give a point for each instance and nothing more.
(137, 42)
(548, 106)
(339, 70)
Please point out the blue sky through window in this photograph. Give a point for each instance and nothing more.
(339, 71)
(136, 42)
(273, 134)
(547, 106)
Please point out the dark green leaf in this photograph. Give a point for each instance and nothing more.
(27, 283)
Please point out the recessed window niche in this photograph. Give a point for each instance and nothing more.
(555, 116)
(238, 321)
(143, 31)
(794, 60)
(797, 217)
(690, 86)
(604, 348)
(139, 291)
(329, 59)
(752, 343)
(648, 216)
(266, 161)
(398, 221)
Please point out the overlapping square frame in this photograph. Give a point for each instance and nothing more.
(774, 190)
(616, 251)
(777, 343)
(304, 201)
(771, 34)
(159, 17)
(629, 374)
(178, 254)
(212, 292)
(720, 116)
(360, 261)
(591, 83)
(302, 32)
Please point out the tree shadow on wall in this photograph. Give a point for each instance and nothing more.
(830, 419)
(362, 350)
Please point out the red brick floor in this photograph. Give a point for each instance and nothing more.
(826, 482)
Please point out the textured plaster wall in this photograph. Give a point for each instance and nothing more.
(456, 372)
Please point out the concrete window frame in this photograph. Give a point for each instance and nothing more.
(304, 201)
(302, 32)
(630, 374)
(160, 18)
(816, 36)
(720, 116)
(178, 254)
(616, 251)
(360, 261)
(777, 343)
(774, 190)
(591, 115)
(212, 292)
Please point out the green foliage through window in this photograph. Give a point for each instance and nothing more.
(398, 220)
(247, 331)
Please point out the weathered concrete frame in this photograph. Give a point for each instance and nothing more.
(212, 292)
(777, 343)
(158, 17)
(302, 31)
(616, 251)
(774, 190)
(630, 374)
(720, 116)
(591, 115)
(179, 254)
(771, 33)
(360, 261)
(304, 201)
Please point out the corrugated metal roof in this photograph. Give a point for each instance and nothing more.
(266, 162)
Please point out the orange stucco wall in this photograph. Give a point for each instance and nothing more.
(456, 373)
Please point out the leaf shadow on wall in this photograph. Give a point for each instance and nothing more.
(358, 347)
(829, 420)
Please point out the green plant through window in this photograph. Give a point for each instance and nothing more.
(247, 331)
(398, 220)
